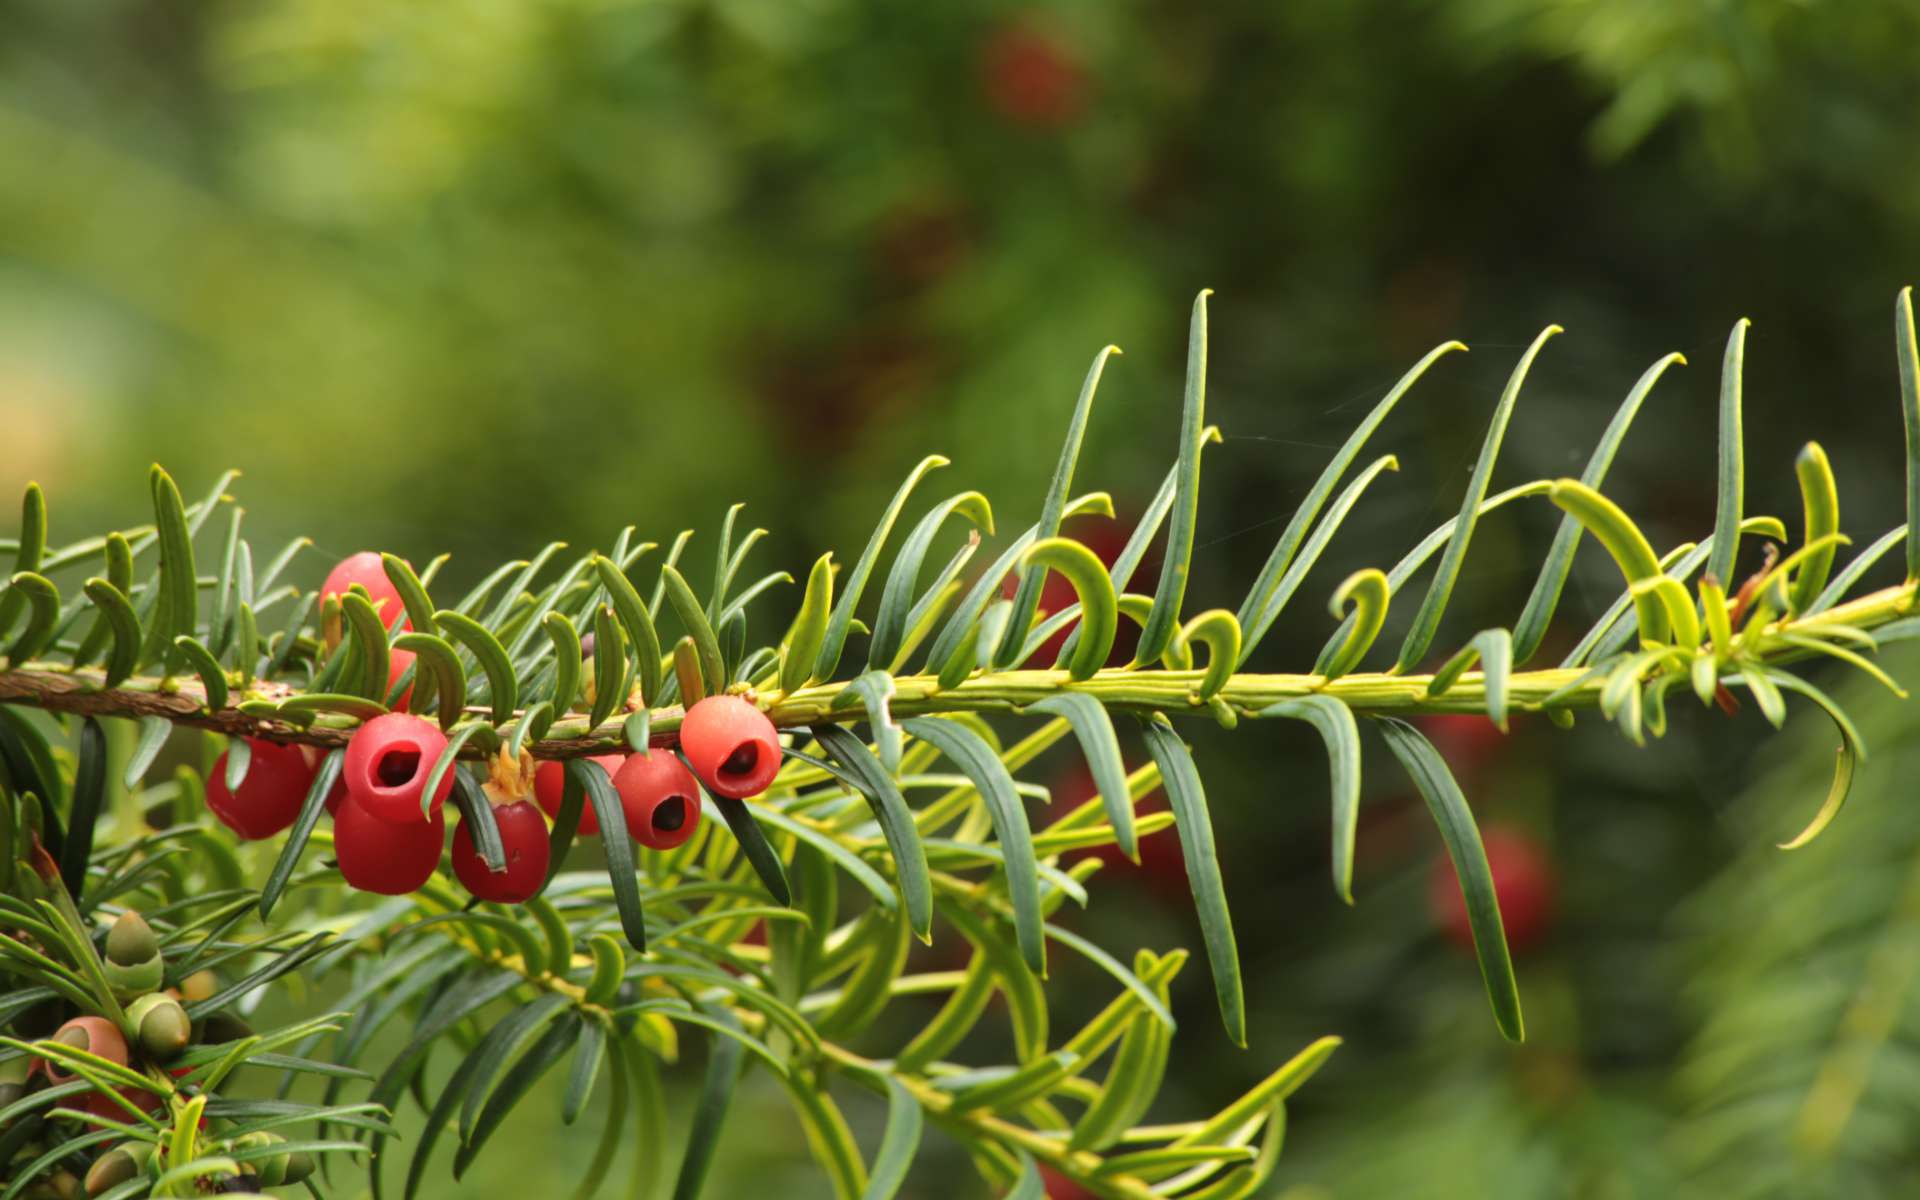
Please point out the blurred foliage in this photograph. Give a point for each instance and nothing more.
(1769, 1052)
(1771, 87)
(485, 274)
(1801, 1080)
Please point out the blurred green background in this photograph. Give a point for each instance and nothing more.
(482, 274)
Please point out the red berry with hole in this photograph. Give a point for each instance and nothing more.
(1523, 885)
(732, 746)
(660, 798)
(523, 835)
(95, 1035)
(382, 856)
(387, 764)
(549, 780)
(365, 569)
(270, 796)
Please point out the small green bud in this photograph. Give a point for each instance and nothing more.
(133, 965)
(161, 1025)
(271, 1170)
(126, 1161)
(131, 942)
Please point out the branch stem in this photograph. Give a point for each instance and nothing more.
(182, 700)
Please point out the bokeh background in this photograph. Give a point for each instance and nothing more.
(478, 275)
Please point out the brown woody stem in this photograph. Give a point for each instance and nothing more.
(181, 700)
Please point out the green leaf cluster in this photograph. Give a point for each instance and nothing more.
(784, 929)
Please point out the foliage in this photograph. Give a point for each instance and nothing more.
(854, 872)
(580, 209)
(1807, 1022)
(1790, 976)
(1744, 75)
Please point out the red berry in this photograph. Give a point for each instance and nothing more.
(366, 569)
(1032, 78)
(384, 857)
(335, 794)
(660, 798)
(1522, 885)
(731, 745)
(387, 764)
(550, 778)
(523, 835)
(95, 1035)
(102, 1105)
(1059, 1187)
(397, 663)
(270, 796)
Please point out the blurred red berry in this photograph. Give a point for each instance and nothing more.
(659, 797)
(1161, 869)
(1468, 741)
(1031, 77)
(549, 779)
(731, 745)
(523, 835)
(1523, 884)
(1059, 1187)
(922, 242)
(387, 764)
(270, 796)
(381, 856)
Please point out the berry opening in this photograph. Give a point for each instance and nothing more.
(670, 814)
(742, 761)
(731, 745)
(398, 766)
